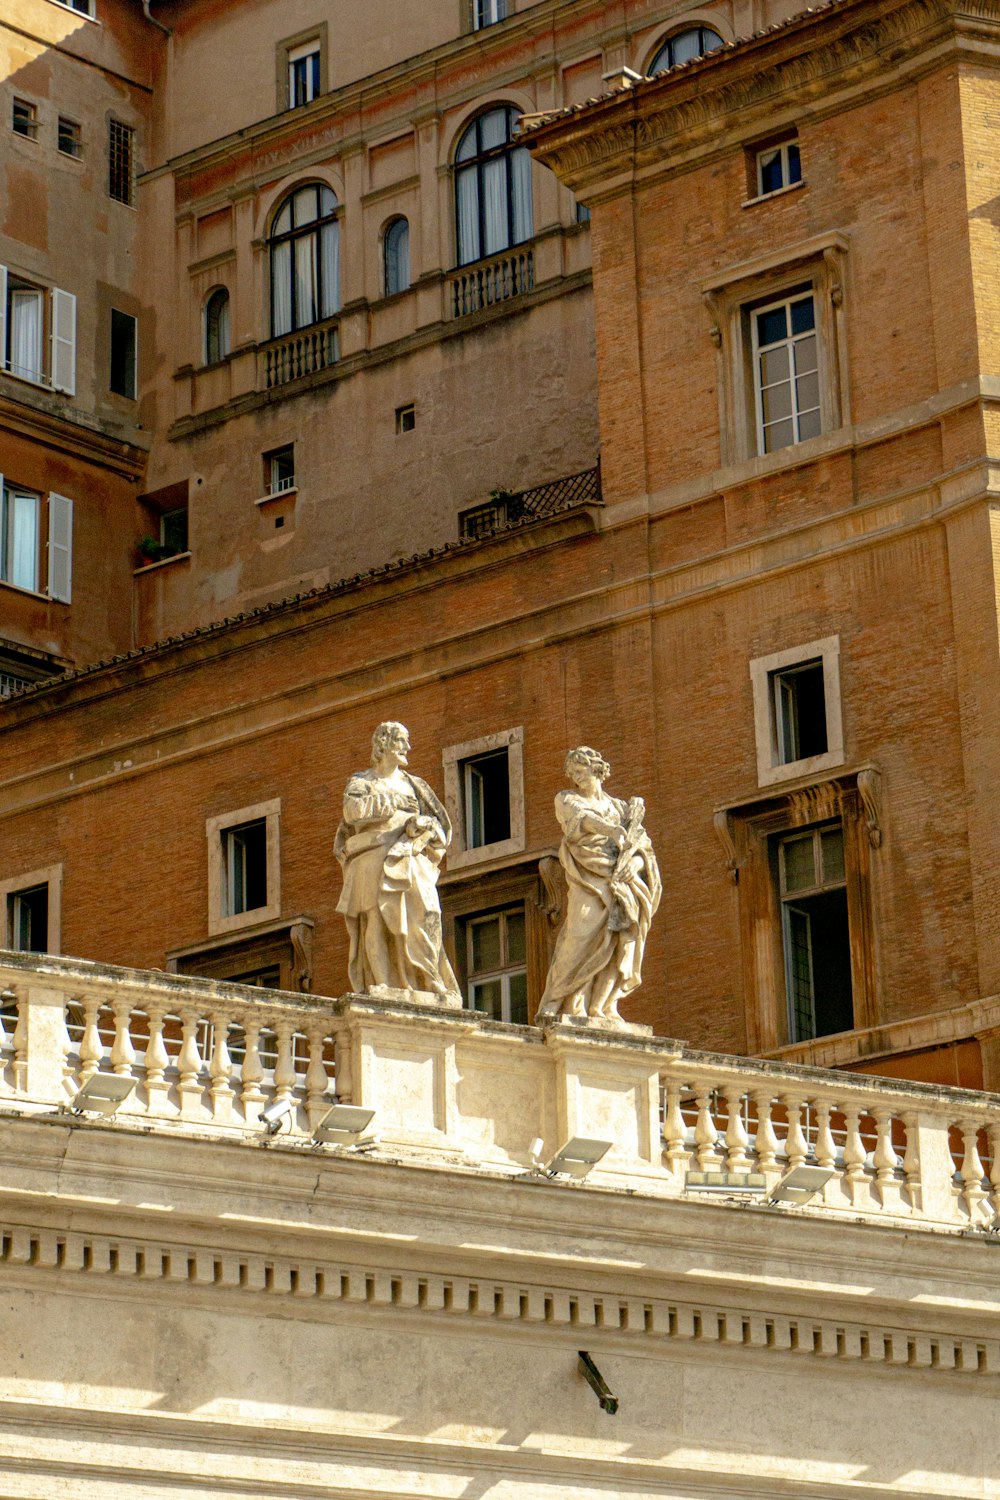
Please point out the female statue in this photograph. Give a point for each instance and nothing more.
(391, 841)
(614, 889)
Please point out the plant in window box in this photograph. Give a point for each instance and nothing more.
(152, 550)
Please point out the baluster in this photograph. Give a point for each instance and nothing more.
(189, 1066)
(91, 1046)
(993, 1135)
(826, 1149)
(972, 1167)
(157, 1062)
(284, 1068)
(674, 1130)
(736, 1134)
(251, 1073)
(122, 1050)
(66, 1046)
(884, 1158)
(220, 1070)
(854, 1147)
(911, 1163)
(706, 1135)
(317, 1080)
(766, 1142)
(20, 1040)
(796, 1145)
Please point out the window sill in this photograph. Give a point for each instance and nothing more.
(260, 929)
(792, 187)
(292, 490)
(797, 770)
(163, 562)
(491, 862)
(81, 15)
(16, 588)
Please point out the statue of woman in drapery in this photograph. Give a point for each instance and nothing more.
(613, 891)
(390, 843)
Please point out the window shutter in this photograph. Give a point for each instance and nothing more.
(63, 341)
(60, 548)
(3, 317)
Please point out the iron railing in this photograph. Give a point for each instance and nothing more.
(506, 508)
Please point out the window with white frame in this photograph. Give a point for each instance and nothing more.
(493, 208)
(23, 513)
(776, 167)
(304, 74)
(396, 256)
(37, 332)
(84, 7)
(484, 795)
(279, 470)
(488, 13)
(798, 724)
(815, 932)
(786, 370)
(305, 260)
(31, 906)
(24, 119)
(496, 964)
(244, 867)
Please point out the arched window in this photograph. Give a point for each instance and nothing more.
(396, 254)
(492, 187)
(305, 260)
(684, 45)
(217, 326)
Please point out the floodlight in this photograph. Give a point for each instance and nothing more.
(801, 1183)
(344, 1125)
(576, 1158)
(750, 1184)
(102, 1094)
(272, 1116)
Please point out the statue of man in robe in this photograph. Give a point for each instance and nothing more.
(390, 843)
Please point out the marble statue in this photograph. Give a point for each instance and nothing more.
(613, 890)
(390, 843)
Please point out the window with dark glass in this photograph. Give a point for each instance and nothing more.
(799, 710)
(396, 255)
(305, 260)
(121, 163)
(217, 326)
(28, 920)
(24, 119)
(488, 12)
(786, 370)
(496, 965)
(123, 331)
(303, 74)
(684, 46)
(174, 531)
(778, 167)
(486, 796)
(69, 138)
(244, 867)
(815, 933)
(279, 469)
(492, 187)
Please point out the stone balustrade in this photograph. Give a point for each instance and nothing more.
(298, 354)
(449, 1086)
(491, 281)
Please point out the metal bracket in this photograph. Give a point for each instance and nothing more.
(597, 1383)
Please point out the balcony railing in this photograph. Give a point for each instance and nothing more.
(299, 354)
(492, 281)
(506, 508)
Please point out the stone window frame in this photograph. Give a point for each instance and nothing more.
(219, 921)
(319, 33)
(762, 668)
(452, 758)
(731, 295)
(749, 831)
(50, 876)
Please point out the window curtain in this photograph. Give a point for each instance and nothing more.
(520, 171)
(496, 229)
(329, 244)
(281, 289)
(306, 299)
(467, 196)
(397, 257)
(21, 536)
(26, 334)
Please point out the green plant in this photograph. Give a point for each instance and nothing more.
(152, 549)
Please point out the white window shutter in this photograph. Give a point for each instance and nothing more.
(63, 341)
(60, 548)
(3, 317)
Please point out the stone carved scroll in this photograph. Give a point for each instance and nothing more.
(553, 897)
(723, 825)
(301, 935)
(870, 792)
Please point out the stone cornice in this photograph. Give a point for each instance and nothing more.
(67, 435)
(806, 66)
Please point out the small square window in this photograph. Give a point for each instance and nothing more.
(488, 13)
(496, 964)
(244, 865)
(777, 167)
(70, 138)
(798, 727)
(28, 920)
(24, 119)
(406, 418)
(304, 74)
(123, 350)
(486, 801)
(121, 162)
(279, 469)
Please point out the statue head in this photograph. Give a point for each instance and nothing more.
(584, 760)
(393, 737)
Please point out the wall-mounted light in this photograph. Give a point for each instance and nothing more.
(102, 1094)
(576, 1159)
(801, 1183)
(344, 1125)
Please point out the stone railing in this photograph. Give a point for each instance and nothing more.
(298, 354)
(450, 1087)
(491, 281)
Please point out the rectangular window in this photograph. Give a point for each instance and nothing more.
(24, 119)
(26, 332)
(815, 933)
(24, 350)
(798, 723)
(486, 785)
(121, 163)
(279, 469)
(123, 350)
(303, 74)
(28, 920)
(10, 683)
(777, 167)
(84, 7)
(786, 371)
(799, 701)
(70, 138)
(488, 12)
(174, 531)
(406, 418)
(496, 964)
(20, 526)
(244, 867)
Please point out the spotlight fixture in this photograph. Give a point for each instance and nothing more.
(576, 1159)
(102, 1094)
(801, 1183)
(344, 1125)
(272, 1116)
